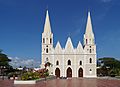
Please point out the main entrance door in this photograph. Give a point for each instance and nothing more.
(80, 72)
(57, 72)
(69, 72)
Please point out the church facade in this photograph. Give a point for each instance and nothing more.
(69, 61)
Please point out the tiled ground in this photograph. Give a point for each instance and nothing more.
(74, 82)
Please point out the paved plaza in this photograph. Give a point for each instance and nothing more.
(74, 82)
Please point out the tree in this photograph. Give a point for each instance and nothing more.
(4, 63)
(4, 60)
(109, 66)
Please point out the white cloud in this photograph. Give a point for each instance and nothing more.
(16, 62)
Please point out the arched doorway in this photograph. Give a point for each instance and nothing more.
(69, 72)
(57, 72)
(80, 72)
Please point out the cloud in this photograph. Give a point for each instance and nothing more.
(28, 62)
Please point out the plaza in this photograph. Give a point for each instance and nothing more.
(70, 82)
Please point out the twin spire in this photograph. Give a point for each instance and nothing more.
(89, 31)
(47, 27)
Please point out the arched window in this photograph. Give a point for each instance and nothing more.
(46, 59)
(90, 60)
(57, 62)
(69, 62)
(50, 40)
(43, 40)
(47, 50)
(80, 62)
(86, 41)
(90, 51)
(90, 69)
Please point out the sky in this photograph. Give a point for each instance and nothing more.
(22, 23)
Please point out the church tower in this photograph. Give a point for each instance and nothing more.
(47, 41)
(89, 49)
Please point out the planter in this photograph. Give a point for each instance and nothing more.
(28, 81)
(33, 81)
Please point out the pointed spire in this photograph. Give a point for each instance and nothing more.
(79, 48)
(79, 45)
(69, 43)
(58, 45)
(47, 27)
(89, 30)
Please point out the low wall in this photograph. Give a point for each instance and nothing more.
(33, 81)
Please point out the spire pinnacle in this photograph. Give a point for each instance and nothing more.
(89, 25)
(47, 27)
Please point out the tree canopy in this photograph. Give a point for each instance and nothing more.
(4, 60)
(108, 66)
(110, 62)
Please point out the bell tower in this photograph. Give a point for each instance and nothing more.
(47, 41)
(89, 49)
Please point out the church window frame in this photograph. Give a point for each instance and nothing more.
(90, 51)
(86, 41)
(46, 50)
(50, 40)
(80, 62)
(90, 60)
(90, 71)
(57, 62)
(47, 59)
(69, 62)
(43, 40)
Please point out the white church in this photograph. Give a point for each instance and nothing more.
(69, 61)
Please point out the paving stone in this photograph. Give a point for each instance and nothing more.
(74, 82)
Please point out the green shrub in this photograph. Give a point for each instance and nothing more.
(30, 76)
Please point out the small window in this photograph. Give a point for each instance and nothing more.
(47, 46)
(69, 62)
(90, 51)
(46, 59)
(90, 46)
(50, 40)
(90, 71)
(90, 40)
(90, 60)
(57, 62)
(43, 40)
(80, 62)
(86, 41)
(47, 50)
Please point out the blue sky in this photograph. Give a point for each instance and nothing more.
(22, 23)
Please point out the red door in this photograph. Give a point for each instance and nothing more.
(69, 72)
(57, 72)
(80, 72)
